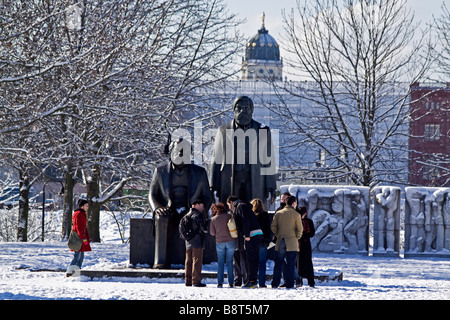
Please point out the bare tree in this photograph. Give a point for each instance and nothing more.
(441, 27)
(435, 166)
(105, 81)
(359, 58)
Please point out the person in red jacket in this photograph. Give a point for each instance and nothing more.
(79, 225)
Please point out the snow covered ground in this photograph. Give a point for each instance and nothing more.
(365, 278)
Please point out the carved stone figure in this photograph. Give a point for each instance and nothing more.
(356, 229)
(434, 222)
(387, 220)
(323, 223)
(175, 186)
(340, 215)
(332, 242)
(446, 215)
(426, 221)
(342, 206)
(414, 220)
(243, 159)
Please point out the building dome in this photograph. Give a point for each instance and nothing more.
(262, 46)
(262, 57)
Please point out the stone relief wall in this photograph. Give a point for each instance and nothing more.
(340, 215)
(341, 218)
(427, 221)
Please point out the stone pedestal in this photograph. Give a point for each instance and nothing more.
(320, 276)
(142, 242)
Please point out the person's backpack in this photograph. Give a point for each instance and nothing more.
(186, 227)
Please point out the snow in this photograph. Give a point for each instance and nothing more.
(364, 277)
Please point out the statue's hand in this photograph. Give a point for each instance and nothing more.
(270, 195)
(163, 211)
(216, 195)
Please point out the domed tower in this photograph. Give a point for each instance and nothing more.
(262, 57)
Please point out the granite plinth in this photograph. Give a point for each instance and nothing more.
(333, 275)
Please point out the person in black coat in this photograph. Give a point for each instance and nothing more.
(264, 223)
(305, 265)
(248, 229)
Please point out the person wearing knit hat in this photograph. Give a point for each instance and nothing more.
(81, 202)
(194, 246)
(79, 226)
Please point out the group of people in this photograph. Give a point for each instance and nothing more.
(246, 255)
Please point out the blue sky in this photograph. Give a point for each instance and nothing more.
(252, 11)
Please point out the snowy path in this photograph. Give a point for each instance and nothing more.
(365, 278)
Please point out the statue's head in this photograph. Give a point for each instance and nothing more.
(338, 201)
(413, 195)
(439, 196)
(180, 151)
(243, 110)
(356, 195)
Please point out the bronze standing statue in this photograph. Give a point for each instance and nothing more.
(244, 159)
(175, 186)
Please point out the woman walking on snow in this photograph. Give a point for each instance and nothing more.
(79, 225)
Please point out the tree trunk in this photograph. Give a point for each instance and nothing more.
(93, 193)
(22, 228)
(69, 184)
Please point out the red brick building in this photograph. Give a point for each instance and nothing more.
(429, 140)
